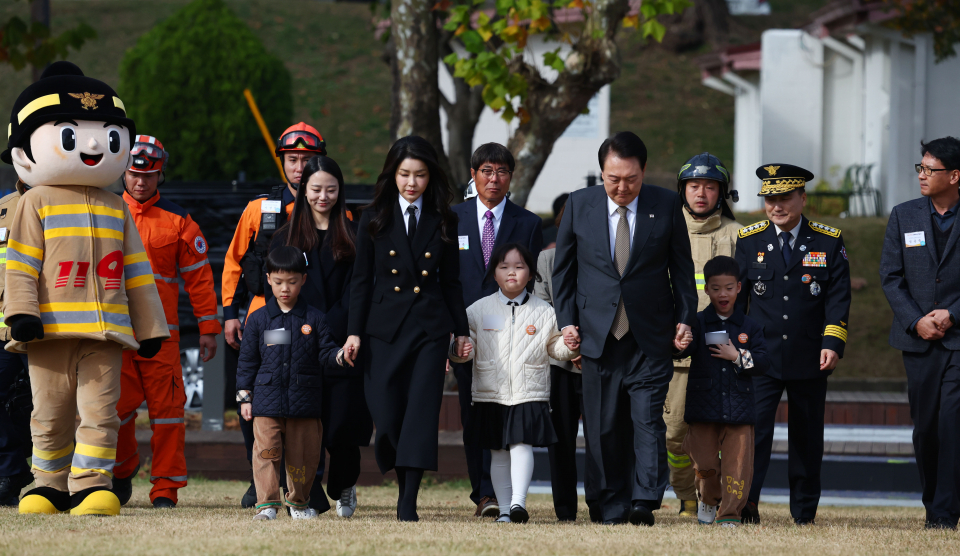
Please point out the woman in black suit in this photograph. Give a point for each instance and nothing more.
(406, 296)
(319, 227)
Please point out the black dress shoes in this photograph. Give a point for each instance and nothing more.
(641, 515)
(801, 521)
(518, 514)
(941, 523)
(596, 516)
(750, 514)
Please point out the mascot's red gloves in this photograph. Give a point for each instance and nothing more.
(24, 328)
(149, 348)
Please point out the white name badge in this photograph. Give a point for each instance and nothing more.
(463, 240)
(493, 322)
(914, 239)
(3, 234)
(270, 207)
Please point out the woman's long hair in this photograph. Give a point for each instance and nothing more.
(437, 196)
(301, 231)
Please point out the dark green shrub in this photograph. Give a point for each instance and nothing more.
(183, 83)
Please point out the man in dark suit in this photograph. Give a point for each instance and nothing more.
(920, 273)
(625, 290)
(797, 279)
(486, 221)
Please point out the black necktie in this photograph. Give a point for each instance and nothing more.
(411, 222)
(785, 248)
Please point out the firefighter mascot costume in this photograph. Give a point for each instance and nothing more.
(176, 248)
(79, 287)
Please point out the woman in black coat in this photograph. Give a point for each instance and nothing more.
(406, 296)
(320, 228)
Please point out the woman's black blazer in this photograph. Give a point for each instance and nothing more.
(394, 280)
(328, 285)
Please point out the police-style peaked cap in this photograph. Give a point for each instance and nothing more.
(779, 179)
(63, 93)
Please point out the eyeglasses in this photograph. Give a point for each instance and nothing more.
(928, 171)
(489, 172)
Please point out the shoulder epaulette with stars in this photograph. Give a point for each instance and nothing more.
(753, 229)
(824, 229)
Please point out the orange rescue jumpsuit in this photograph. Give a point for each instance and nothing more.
(175, 247)
(247, 229)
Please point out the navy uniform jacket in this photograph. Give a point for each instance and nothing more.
(718, 391)
(517, 225)
(803, 308)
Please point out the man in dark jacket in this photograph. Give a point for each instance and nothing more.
(719, 404)
(284, 352)
(920, 274)
(486, 221)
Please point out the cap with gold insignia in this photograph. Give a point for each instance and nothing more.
(63, 93)
(779, 179)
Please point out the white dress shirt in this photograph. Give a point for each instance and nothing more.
(613, 219)
(793, 234)
(497, 216)
(403, 210)
(521, 299)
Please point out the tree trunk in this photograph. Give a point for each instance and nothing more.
(39, 13)
(463, 114)
(594, 62)
(414, 67)
(708, 22)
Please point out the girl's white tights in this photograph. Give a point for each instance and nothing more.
(511, 472)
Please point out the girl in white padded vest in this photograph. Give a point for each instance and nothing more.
(512, 336)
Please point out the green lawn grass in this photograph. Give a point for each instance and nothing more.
(210, 521)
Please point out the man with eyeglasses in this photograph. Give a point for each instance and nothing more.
(487, 220)
(920, 274)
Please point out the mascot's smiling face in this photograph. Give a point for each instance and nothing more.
(74, 152)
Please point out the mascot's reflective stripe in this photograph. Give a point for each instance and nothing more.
(52, 461)
(85, 317)
(137, 269)
(93, 458)
(24, 258)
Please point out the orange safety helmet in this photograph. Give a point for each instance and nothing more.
(148, 155)
(301, 137)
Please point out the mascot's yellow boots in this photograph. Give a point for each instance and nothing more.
(35, 504)
(101, 502)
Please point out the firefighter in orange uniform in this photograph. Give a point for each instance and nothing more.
(176, 248)
(243, 271)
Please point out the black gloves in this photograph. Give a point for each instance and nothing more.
(24, 328)
(149, 348)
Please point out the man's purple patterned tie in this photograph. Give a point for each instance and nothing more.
(486, 242)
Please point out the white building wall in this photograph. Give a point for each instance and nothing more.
(574, 154)
(842, 110)
(791, 99)
(746, 139)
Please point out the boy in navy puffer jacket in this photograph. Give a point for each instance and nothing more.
(720, 408)
(286, 346)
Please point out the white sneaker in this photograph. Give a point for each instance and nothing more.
(303, 513)
(706, 515)
(505, 518)
(347, 504)
(266, 513)
(730, 524)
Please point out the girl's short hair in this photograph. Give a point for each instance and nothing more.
(500, 254)
(286, 259)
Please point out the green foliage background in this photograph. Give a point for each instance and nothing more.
(183, 81)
